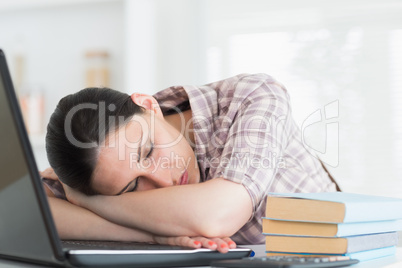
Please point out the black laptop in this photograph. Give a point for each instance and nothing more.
(27, 230)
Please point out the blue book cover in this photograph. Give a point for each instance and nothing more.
(361, 255)
(330, 245)
(298, 228)
(336, 207)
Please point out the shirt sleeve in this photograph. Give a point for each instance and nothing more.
(257, 136)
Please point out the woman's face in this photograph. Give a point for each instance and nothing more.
(147, 153)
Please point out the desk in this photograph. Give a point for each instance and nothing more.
(386, 262)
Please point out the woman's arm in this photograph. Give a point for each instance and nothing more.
(216, 208)
(74, 222)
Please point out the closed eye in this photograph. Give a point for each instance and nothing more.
(150, 150)
(135, 186)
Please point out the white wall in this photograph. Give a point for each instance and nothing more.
(55, 39)
(340, 55)
(165, 43)
(345, 52)
(140, 46)
(181, 42)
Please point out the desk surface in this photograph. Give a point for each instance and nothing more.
(387, 262)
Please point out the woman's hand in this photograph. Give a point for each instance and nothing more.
(73, 196)
(220, 244)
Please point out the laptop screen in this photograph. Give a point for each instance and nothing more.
(27, 231)
(23, 232)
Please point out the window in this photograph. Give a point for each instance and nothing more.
(341, 63)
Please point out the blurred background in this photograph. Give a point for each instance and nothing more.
(341, 62)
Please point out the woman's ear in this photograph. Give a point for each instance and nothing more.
(146, 101)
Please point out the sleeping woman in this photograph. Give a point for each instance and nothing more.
(189, 166)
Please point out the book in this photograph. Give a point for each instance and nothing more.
(360, 255)
(328, 229)
(330, 245)
(332, 207)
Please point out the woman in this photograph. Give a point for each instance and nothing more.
(223, 147)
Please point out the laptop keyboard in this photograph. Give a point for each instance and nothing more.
(115, 245)
(286, 262)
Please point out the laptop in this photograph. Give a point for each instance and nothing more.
(27, 230)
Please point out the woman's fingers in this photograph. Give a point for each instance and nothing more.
(206, 242)
(230, 242)
(183, 241)
(220, 244)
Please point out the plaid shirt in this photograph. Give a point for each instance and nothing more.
(244, 133)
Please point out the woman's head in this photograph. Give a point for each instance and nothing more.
(79, 124)
(103, 141)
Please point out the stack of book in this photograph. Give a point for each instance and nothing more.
(362, 227)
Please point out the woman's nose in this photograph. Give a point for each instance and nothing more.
(161, 178)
